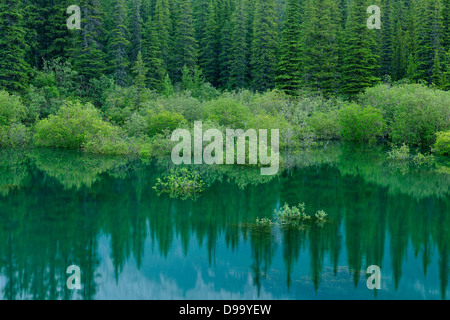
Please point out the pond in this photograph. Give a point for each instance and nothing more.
(62, 208)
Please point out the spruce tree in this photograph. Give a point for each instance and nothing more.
(226, 28)
(118, 44)
(290, 64)
(209, 46)
(88, 56)
(239, 48)
(430, 38)
(163, 26)
(320, 42)
(185, 42)
(139, 71)
(359, 67)
(399, 53)
(264, 45)
(412, 43)
(152, 56)
(135, 27)
(14, 70)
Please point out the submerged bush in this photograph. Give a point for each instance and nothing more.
(292, 215)
(399, 153)
(181, 184)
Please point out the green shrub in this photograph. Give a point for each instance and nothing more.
(71, 127)
(414, 113)
(181, 184)
(326, 126)
(292, 215)
(11, 109)
(227, 112)
(401, 153)
(266, 121)
(442, 145)
(136, 125)
(121, 102)
(160, 121)
(14, 135)
(190, 107)
(110, 140)
(361, 124)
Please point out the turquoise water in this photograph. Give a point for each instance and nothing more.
(60, 208)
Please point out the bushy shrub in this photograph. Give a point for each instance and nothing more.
(41, 102)
(162, 120)
(122, 102)
(442, 145)
(190, 107)
(325, 125)
(71, 127)
(401, 153)
(271, 102)
(266, 121)
(136, 125)
(11, 109)
(181, 184)
(110, 140)
(14, 135)
(227, 112)
(413, 112)
(361, 124)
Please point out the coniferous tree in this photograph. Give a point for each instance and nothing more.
(118, 45)
(14, 70)
(135, 27)
(152, 56)
(225, 31)
(163, 26)
(412, 43)
(430, 37)
(139, 71)
(446, 24)
(359, 62)
(264, 45)
(320, 42)
(239, 48)
(88, 56)
(290, 64)
(185, 42)
(209, 46)
(399, 53)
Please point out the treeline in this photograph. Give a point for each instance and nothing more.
(292, 45)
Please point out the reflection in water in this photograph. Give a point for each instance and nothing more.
(59, 208)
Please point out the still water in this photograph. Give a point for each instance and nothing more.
(60, 208)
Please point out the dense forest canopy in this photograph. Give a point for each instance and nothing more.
(258, 44)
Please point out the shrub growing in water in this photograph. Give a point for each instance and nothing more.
(413, 112)
(181, 184)
(77, 126)
(361, 124)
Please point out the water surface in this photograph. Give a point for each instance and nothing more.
(59, 208)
